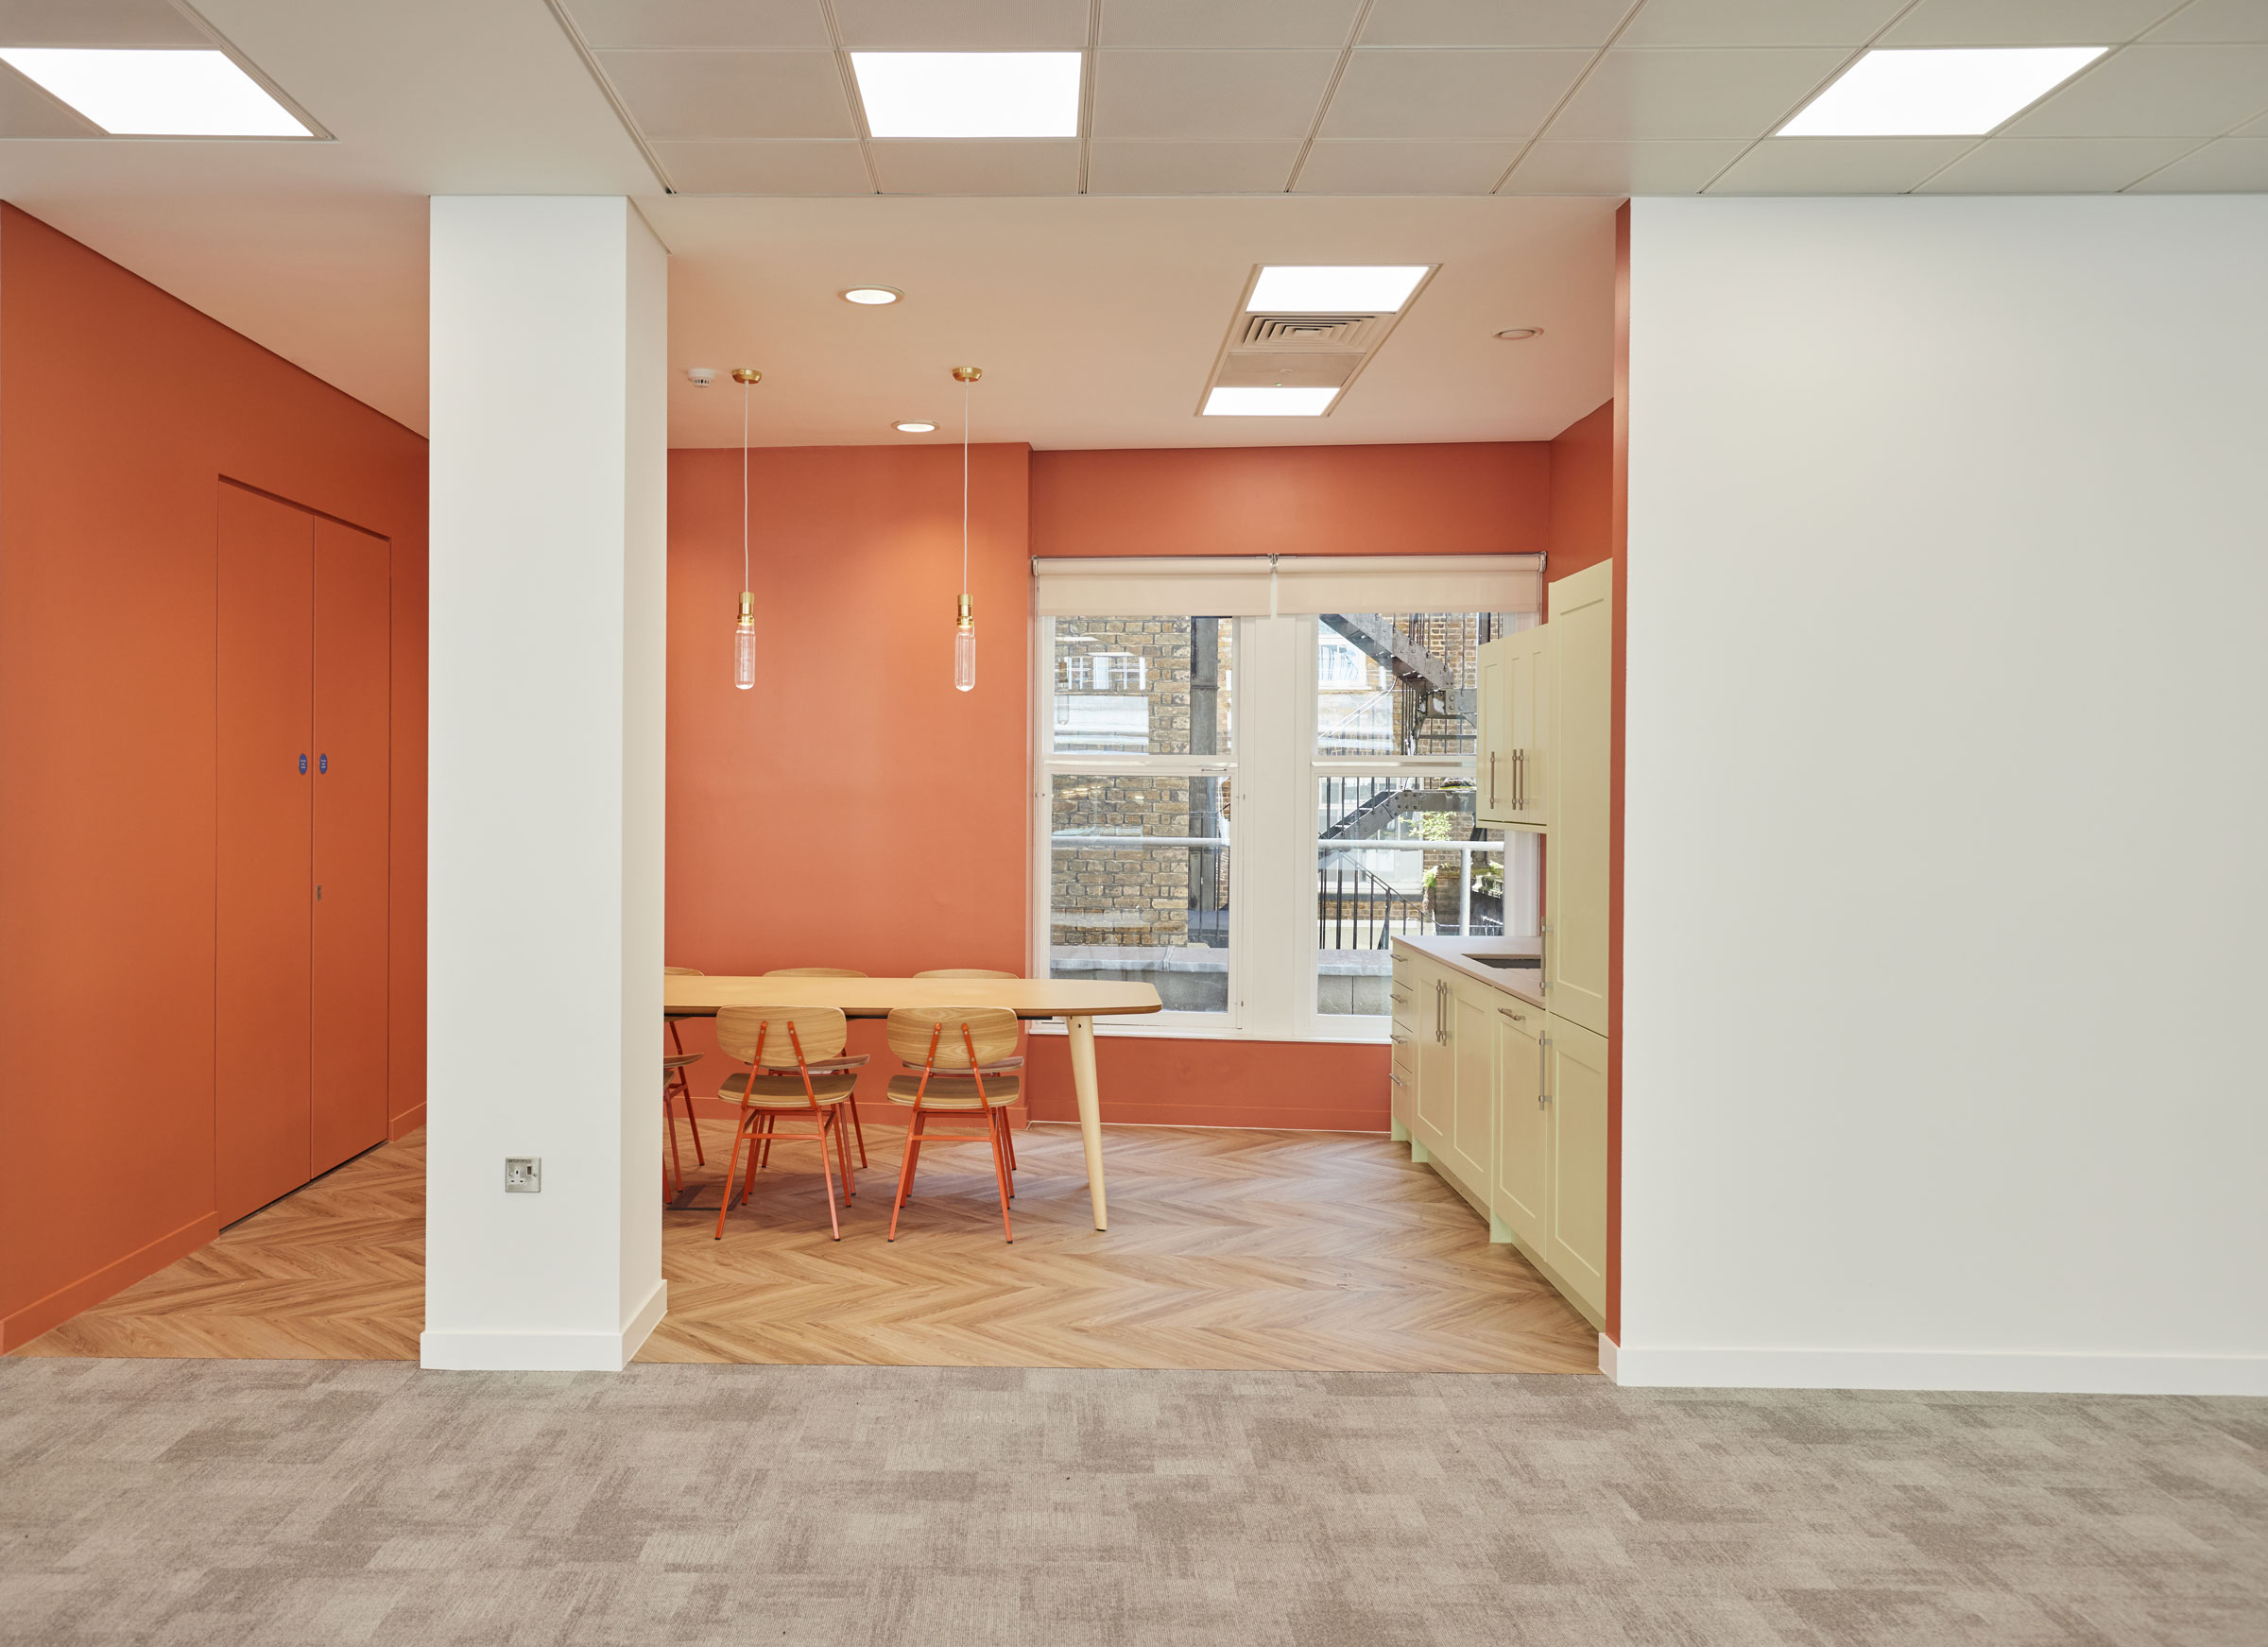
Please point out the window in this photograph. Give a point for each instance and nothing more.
(1244, 809)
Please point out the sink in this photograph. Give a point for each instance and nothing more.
(1534, 963)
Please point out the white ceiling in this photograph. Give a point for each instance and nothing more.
(1097, 321)
(1391, 130)
(1432, 97)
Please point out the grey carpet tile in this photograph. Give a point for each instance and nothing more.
(252, 1504)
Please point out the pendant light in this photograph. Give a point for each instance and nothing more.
(744, 634)
(964, 634)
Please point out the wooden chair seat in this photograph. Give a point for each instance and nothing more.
(769, 1091)
(679, 1060)
(956, 1092)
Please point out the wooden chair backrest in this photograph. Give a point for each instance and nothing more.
(683, 973)
(814, 972)
(992, 1028)
(965, 972)
(819, 1030)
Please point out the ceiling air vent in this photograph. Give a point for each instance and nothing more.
(1306, 330)
(1276, 350)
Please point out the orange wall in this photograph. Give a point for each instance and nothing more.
(120, 407)
(1489, 498)
(1583, 494)
(854, 811)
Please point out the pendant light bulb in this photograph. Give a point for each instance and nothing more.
(744, 644)
(964, 630)
(744, 633)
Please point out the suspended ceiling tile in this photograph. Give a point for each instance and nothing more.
(1249, 95)
(97, 22)
(962, 24)
(2233, 165)
(790, 167)
(971, 166)
(28, 112)
(1838, 166)
(2231, 21)
(2057, 165)
(1404, 168)
(696, 25)
(1189, 169)
(1623, 168)
(1469, 23)
(1758, 22)
(732, 93)
(2156, 90)
(1662, 92)
(2025, 21)
(1449, 96)
(1280, 23)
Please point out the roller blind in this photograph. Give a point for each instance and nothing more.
(1278, 585)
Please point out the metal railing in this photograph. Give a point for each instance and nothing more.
(1352, 908)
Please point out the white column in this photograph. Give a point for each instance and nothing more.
(549, 468)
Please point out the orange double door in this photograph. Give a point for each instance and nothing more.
(301, 934)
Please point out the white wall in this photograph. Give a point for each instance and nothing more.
(1947, 897)
(549, 463)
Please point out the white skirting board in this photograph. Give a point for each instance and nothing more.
(1909, 1369)
(545, 1351)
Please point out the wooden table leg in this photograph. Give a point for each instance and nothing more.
(1091, 1109)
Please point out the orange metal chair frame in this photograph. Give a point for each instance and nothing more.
(829, 1120)
(918, 1129)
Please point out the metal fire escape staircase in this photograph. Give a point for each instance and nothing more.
(1430, 679)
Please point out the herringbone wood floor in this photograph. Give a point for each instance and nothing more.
(1228, 1249)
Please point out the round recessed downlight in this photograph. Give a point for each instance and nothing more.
(915, 428)
(1519, 333)
(872, 296)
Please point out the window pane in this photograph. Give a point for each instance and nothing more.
(1392, 859)
(1141, 686)
(1121, 908)
(1402, 683)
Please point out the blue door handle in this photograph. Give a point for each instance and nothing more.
(302, 766)
(323, 762)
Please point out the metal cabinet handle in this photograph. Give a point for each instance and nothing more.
(1396, 1079)
(1399, 1040)
(1515, 1016)
(1492, 779)
(1399, 999)
(1543, 1076)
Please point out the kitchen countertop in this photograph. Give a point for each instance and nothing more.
(1523, 983)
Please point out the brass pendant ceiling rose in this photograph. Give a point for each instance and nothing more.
(967, 373)
(746, 374)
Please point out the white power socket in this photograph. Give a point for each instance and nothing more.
(523, 1174)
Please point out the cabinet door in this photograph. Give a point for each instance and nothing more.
(1437, 1064)
(351, 787)
(1576, 1064)
(1472, 1104)
(262, 961)
(1581, 668)
(1520, 1187)
(1525, 775)
(1492, 771)
(1401, 1066)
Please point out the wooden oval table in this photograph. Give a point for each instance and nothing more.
(1078, 1002)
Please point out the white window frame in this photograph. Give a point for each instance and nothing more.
(1272, 845)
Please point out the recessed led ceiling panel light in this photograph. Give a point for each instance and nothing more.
(872, 296)
(969, 94)
(915, 428)
(1324, 289)
(157, 94)
(1268, 402)
(1938, 93)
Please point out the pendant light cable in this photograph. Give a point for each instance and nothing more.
(744, 486)
(965, 487)
(744, 632)
(964, 636)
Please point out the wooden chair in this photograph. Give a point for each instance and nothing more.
(677, 1083)
(965, 1055)
(978, 972)
(858, 1126)
(796, 1065)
